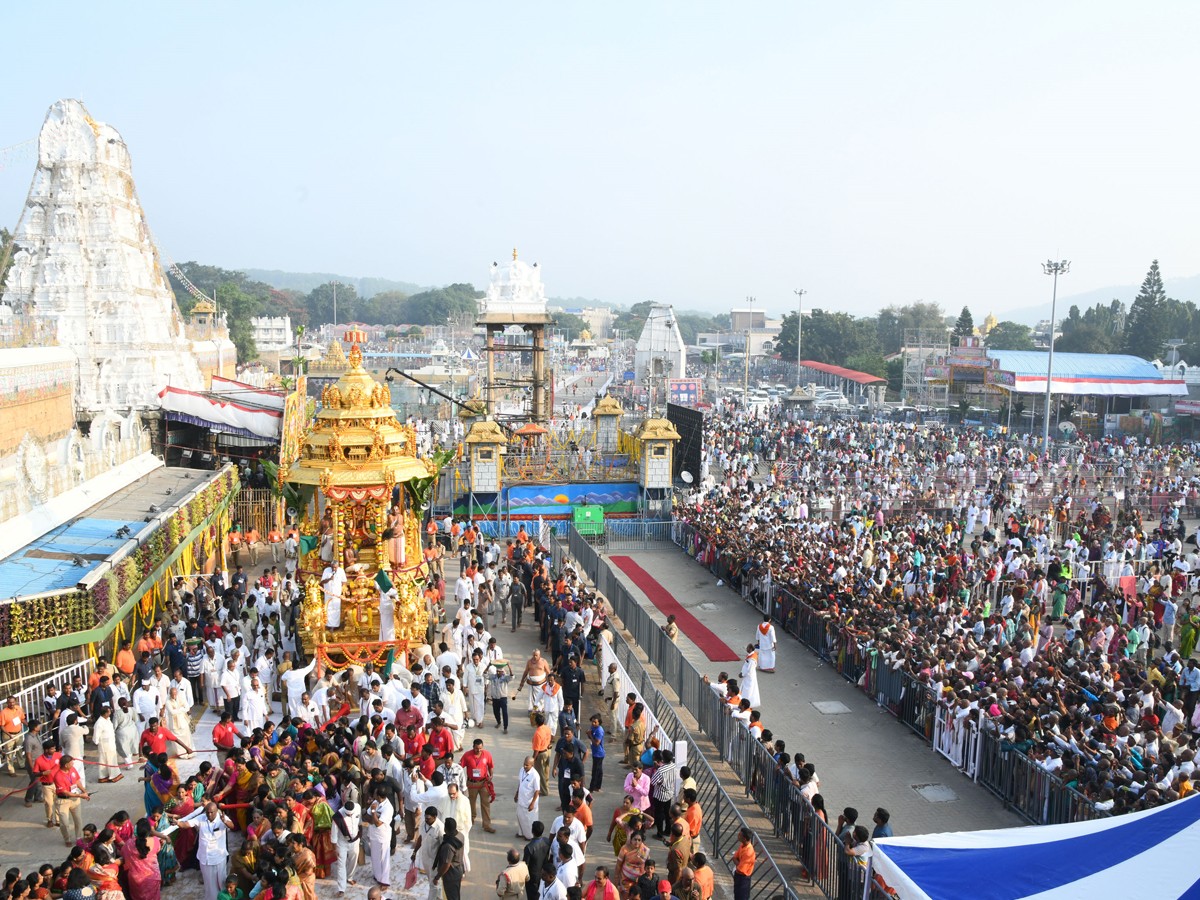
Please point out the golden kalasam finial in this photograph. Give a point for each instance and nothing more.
(514, 254)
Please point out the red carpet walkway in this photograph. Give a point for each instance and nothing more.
(711, 645)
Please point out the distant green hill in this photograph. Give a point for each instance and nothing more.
(306, 281)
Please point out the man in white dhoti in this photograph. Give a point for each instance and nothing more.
(185, 689)
(212, 852)
(378, 818)
(177, 717)
(333, 579)
(146, 703)
(475, 684)
(104, 733)
(211, 668)
(748, 682)
(346, 832)
(125, 724)
(254, 706)
(387, 614)
(458, 808)
(454, 712)
(552, 703)
(529, 789)
(292, 683)
(766, 645)
(429, 838)
(534, 675)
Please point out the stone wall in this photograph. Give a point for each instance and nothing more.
(36, 397)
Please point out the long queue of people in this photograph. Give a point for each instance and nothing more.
(1054, 605)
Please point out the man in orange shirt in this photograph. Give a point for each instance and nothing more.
(467, 543)
(275, 539)
(12, 726)
(542, 738)
(693, 815)
(125, 660)
(703, 874)
(253, 544)
(744, 859)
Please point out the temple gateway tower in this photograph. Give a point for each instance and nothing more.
(86, 270)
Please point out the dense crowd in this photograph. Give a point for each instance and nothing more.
(315, 773)
(1054, 603)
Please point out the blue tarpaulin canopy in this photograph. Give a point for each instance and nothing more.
(1152, 853)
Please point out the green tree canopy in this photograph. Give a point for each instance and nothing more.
(238, 297)
(1098, 330)
(870, 361)
(320, 300)
(384, 308)
(442, 305)
(893, 321)
(1154, 319)
(965, 326)
(829, 337)
(571, 324)
(1010, 336)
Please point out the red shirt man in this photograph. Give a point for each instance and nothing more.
(413, 742)
(66, 781)
(46, 765)
(225, 735)
(411, 716)
(478, 763)
(441, 741)
(155, 740)
(427, 764)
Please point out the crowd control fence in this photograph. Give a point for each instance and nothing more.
(1024, 786)
(830, 867)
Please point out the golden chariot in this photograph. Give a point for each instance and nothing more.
(353, 457)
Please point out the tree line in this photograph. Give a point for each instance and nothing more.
(242, 298)
(1153, 323)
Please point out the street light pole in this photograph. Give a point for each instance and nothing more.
(1053, 268)
(799, 330)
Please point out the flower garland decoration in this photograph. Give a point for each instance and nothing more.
(73, 611)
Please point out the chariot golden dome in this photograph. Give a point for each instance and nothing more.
(356, 440)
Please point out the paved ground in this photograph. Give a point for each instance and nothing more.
(27, 843)
(865, 757)
(580, 390)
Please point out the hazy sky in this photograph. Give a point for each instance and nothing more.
(694, 153)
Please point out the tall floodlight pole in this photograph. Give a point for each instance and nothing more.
(799, 330)
(335, 287)
(1053, 268)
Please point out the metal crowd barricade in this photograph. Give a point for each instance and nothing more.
(1021, 783)
(957, 739)
(32, 701)
(722, 820)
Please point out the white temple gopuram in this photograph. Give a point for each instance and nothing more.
(86, 270)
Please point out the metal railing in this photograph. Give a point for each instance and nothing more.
(826, 861)
(1006, 773)
(565, 465)
(32, 699)
(721, 818)
(254, 508)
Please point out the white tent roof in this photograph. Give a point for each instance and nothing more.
(1144, 854)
